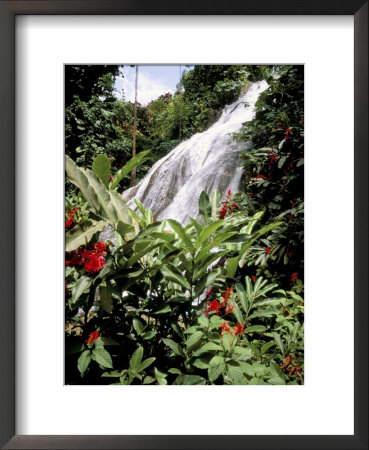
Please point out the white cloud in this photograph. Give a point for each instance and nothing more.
(149, 86)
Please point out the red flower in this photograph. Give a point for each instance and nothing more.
(206, 312)
(251, 195)
(263, 177)
(225, 328)
(254, 278)
(209, 291)
(229, 309)
(76, 258)
(214, 306)
(294, 277)
(267, 249)
(238, 329)
(100, 248)
(229, 193)
(223, 211)
(95, 263)
(111, 178)
(227, 294)
(71, 219)
(94, 336)
(293, 205)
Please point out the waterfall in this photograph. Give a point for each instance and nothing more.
(207, 161)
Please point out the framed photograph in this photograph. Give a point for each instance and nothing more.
(201, 362)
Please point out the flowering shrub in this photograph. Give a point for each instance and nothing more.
(218, 301)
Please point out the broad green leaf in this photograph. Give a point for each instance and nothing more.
(164, 310)
(84, 361)
(231, 268)
(235, 373)
(125, 229)
(138, 325)
(173, 346)
(175, 277)
(278, 341)
(127, 168)
(193, 380)
(106, 290)
(201, 363)
(149, 335)
(204, 208)
(101, 168)
(81, 234)
(267, 346)
(136, 257)
(254, 220)
(193, 340)
(146, 363)
(136, 359)
(216, 367)
(102, 357)
(242, 296)
(256, 328)
(80, 287)
(185, 238)
(196, 225)
(207, 232)
(208, 347)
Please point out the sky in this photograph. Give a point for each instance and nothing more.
(153, 81)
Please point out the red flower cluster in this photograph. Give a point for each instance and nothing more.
(94, 336)
(92, 260)
(220, 308)
(294, 277)
(71, 218)
(267, 250)
(234, 331)
(262, 177)
(273, 158)
(224, 209)
(254, 278)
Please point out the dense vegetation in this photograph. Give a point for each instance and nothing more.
(218, 301)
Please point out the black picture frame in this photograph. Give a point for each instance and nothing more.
(8, 11)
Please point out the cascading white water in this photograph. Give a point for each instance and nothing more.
(207, 161)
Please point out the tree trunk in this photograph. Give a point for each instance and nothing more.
(133, 173)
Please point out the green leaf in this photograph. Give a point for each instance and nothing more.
(136, 359)
(102, 357)
(207, 232)
(254, 220)
(101, 168)
(127, 168)
(82, 285)
(204, 207)
(84, 361)
(81, 234)
(138, 325)
(173, 346)
(166, 309)
(231, 268)
(208, 347)
(193, 380)
(242, 296)
(185, 238)
(235, 373)
(125, 229)
(278, 341)
(106, 290)
(168, 274)
(193, 340)
(146, 363)
(255, 328)
(149, 335)
(266, 347)
(216, 367)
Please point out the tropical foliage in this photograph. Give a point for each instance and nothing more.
(218, 301)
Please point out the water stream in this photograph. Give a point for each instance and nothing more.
(207, 161)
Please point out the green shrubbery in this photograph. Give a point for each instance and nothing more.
(218, 301)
